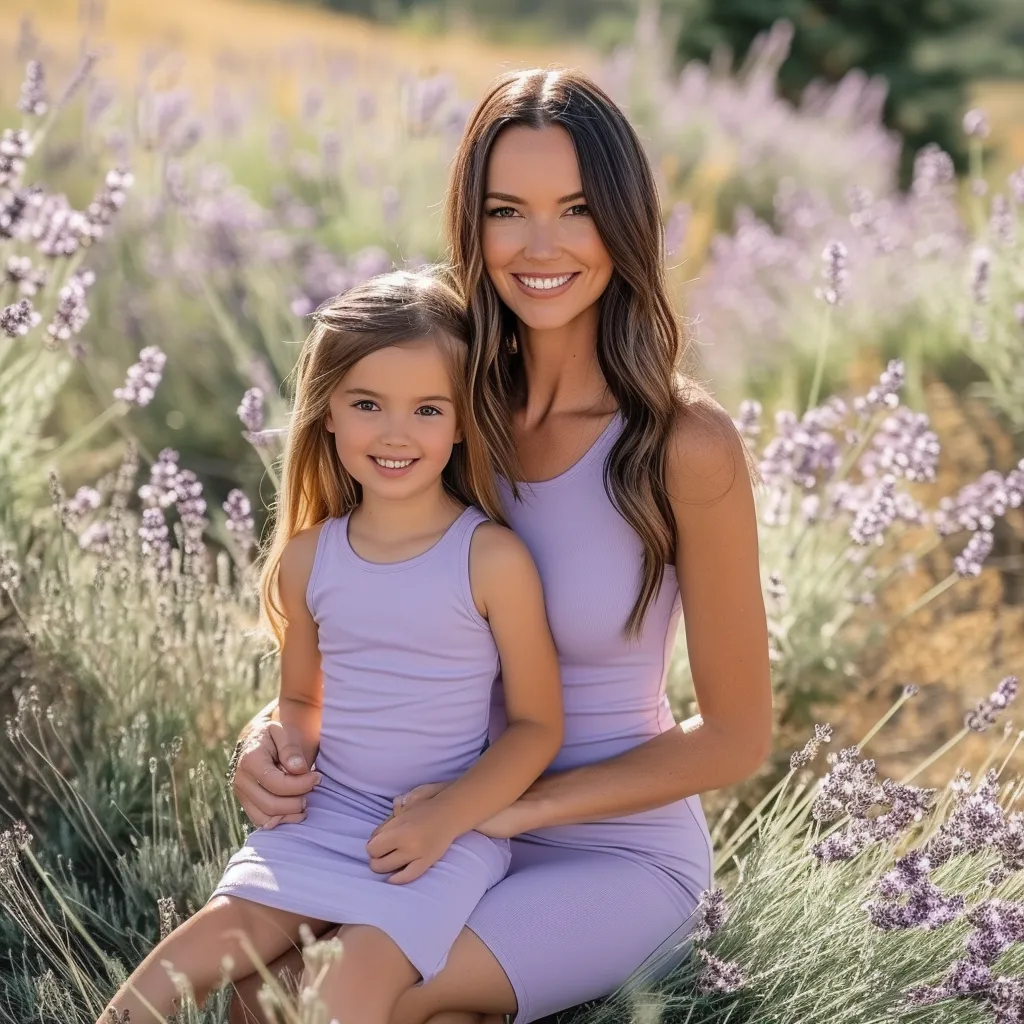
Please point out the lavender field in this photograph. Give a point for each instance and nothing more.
(158, 252)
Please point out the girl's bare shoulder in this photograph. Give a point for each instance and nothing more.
(298, 555)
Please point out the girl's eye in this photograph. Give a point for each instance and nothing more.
(428, 410)
(502, 212)
(579, 210)
(364, 405)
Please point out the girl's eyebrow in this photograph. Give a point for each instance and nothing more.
(506, 198)
(374, 394)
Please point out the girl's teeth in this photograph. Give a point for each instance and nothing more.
(545, 283)
(392, 463)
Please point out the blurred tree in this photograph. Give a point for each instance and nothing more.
(911, 43)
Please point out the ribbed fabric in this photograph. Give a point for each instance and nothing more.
(586, 906)
(408, 668)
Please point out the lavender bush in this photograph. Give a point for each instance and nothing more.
(146, 327)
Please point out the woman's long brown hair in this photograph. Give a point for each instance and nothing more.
(385, 311)
(639, 341)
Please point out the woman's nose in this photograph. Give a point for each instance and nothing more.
(542, 242)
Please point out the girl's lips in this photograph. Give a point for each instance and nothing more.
(391, 473)
(545, 293)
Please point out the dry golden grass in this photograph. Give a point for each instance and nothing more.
(275, 39)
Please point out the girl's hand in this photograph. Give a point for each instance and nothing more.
(417, 795)
(410, 843)
(512, 821)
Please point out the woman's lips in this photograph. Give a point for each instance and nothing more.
(536, 286)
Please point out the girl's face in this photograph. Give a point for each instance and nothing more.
(393, 420)
(541, 248)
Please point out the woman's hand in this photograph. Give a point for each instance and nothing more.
(271, 778)
(410, 843)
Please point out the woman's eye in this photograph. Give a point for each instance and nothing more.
(502, 212)
(579, 210)
(364, 405)
(428, 410)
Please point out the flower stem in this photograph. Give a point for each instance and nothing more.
(819, 366)
(941, 587)
(86, 433)
(933, 757)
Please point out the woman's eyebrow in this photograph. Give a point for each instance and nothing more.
(506, 198)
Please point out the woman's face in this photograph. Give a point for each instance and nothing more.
(541, 248)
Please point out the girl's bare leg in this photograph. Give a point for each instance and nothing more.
(196, 950)
(471, 977)
(287, 968)
(363, 985)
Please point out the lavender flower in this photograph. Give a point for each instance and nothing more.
(906, 897)
(849, 786)
(713, 912)
(981, 270)
(977, 505)
(876, 515)
(834, 273)
(719, 975)
(970, 561)
(748, 423)
(998, 925)
(975, 124)
(809, 751)
(162, 488)
(884, 394)
(985, 715)
(143, 377)
(904, 445)
(1000, 222)
(10, 573)
(977, 821)
(933, 169)
(75, 509)
(18, 319)
(32, 100)
(191, 506)
(153, 534)
(802, 451)
(21, 273)
(96, 537)
(15, 149)
(100, 212)
(1016, 183)
(58, 229)
(240, 521)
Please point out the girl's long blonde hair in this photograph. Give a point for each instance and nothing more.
(384, 311)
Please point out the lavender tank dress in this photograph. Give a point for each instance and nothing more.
(409, 665)
(586, 908)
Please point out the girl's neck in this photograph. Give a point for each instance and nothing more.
(388, 520)
(561, 369)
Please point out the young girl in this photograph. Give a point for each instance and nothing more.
(393, 600)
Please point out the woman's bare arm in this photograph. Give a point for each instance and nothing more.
(727, 640)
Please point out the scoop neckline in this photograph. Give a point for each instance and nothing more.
(405, 563)
(582, 461)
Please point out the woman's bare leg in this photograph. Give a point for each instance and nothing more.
(197, 949)
(472, 984)
(363, 985)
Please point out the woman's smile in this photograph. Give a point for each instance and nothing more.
(545, 286)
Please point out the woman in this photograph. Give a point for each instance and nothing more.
(629, 486)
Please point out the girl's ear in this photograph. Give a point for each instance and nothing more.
(329, 422)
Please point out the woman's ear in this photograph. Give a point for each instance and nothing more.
(329, 422)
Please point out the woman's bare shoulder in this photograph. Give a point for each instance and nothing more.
(706, 456)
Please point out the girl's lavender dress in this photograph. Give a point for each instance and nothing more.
(585, 906)
(408, 667)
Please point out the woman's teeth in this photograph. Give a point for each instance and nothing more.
(544, 283)
(393, 463)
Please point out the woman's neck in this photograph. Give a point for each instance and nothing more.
(561, 369)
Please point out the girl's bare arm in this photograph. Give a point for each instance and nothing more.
(508, 592)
